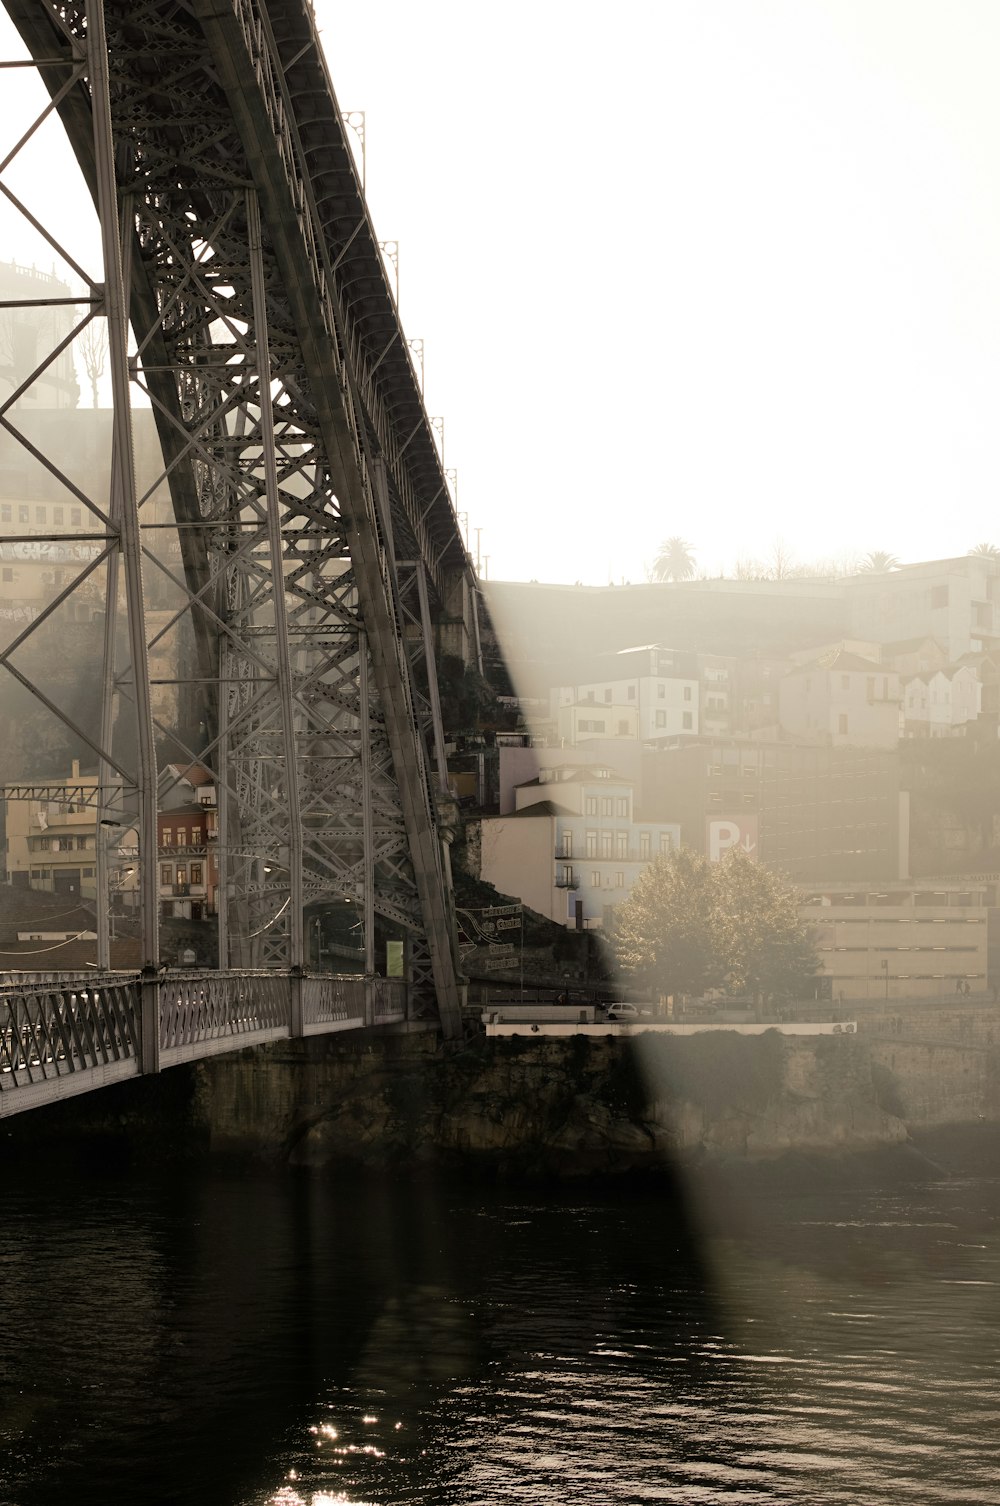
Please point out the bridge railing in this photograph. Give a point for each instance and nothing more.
(334, 1002)
(60, 1036)
(49, 1033)
(203, 1014)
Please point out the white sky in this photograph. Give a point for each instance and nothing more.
(728, 269)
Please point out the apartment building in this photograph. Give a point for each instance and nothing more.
(572, 848)
(52, 844)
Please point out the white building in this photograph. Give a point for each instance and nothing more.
(939, 703)
(841, 700)
(571, 848)
(651, 693)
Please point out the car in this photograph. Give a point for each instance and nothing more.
(624, 1011)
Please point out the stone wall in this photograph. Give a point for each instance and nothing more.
(583, 1106)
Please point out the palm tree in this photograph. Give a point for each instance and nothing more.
(878, 563)
(674, 561)
(986, 551)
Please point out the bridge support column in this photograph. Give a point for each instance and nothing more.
(149, 1020)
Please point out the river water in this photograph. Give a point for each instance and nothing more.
(288, 1340)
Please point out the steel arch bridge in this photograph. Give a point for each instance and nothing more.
(319, 563)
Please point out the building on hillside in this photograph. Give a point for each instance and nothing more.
(187, 851)
(806, 811)
(185, 784)
(924, 939)
(651, 693)
(912, 656)
(572, 848)
(52, 844)
(841, 700)
(956, 601)
(941, 702)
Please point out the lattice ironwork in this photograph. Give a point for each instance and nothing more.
(299, 457)
(48, 1033)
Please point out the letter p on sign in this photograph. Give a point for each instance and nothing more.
(721, 836)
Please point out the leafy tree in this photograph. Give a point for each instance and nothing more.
(689, 925)
(765, 949)
(674, 561)
(986, 551)
(878, 563)
(663, 934)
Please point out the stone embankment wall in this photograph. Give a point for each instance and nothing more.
(583, 1106)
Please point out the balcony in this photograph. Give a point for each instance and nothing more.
(180, 890)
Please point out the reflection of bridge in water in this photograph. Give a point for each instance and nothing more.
(312, 555)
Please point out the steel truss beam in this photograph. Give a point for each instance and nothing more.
(273, 428)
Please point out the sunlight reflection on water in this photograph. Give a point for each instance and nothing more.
(395, 1346)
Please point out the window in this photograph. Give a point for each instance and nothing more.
(619, 880)
(166, 873)
(687, 692)
(23, 515)
(182, 873)
(168, 836)
(58, 515)
(605, 805)
(605, 844)
(622, 806)
(631, 692)
(182, 836)
(607, 695)
(39, 514)
(688, 721)
(661, 692)
(81, 844)
(566, 850)
(590, 806)
(566, 877)
(666, 842)
(8, 574)
(196, 836)
(595, 878)
(644, 845)
(89, 873)
(76, 516)
(6, 513)
(196, 877)
(591, 844)
(842, 722)
(661, 718)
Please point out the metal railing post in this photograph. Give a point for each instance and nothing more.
(296, 978)
(149, 1020)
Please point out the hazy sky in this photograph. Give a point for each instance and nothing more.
(723, 268)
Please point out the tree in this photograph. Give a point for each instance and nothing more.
(93, 353)
(663, 933)
(674, 561)
(689, 925)
(765, 949)
(986, 551)
(878, 563)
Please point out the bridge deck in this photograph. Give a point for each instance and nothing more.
(62, 1037)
